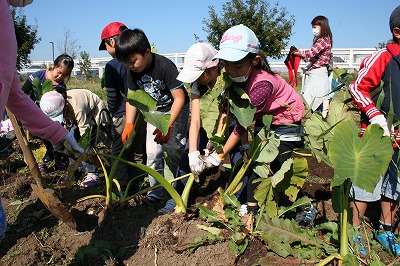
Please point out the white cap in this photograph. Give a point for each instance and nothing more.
(52, 104)
(198, 58)
(236, 43)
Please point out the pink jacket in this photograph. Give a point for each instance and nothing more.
(11, 95)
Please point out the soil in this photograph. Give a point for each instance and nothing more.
(131, 233)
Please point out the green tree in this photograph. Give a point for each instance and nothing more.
(383, 44)
(272, 25)
(26, 37)
(84, 64)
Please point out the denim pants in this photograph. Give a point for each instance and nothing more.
(3, 221)
(174, 149)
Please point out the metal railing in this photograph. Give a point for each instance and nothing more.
(347, 58)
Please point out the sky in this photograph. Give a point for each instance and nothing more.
(172, 24)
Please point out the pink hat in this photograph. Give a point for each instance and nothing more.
(52, 104)
(198, 58)
(111, 30)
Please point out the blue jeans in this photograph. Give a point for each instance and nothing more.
(3, 221)
(174, 148)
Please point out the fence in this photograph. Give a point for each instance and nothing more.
(347, 58)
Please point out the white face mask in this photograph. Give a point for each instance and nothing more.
(315, 32)
(240, 79)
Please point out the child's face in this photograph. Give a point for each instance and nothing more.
(58, 74)
(237, 69)
(138, 62)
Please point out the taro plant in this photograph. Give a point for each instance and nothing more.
(147, 106)
(39, 89)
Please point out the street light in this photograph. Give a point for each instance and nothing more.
(52, 49)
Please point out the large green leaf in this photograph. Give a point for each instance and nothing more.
(47, 86)
(210, 104)
(362, 160)
(268, 144)
(141, 100)
(240, 106)
(160, 121)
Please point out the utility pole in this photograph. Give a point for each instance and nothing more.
(52, 49)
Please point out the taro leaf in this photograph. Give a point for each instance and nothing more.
(160, 121)
(300, 202)
(362, 160)
(47, 86)
(84, 141)
(211, 216)
(141, 100)
(350, 260)
(264, 194)
(235, 248)
(36, 83)
(268, 147)
(294, 177)
(278, 176)
(241, 107)
(210, 229)
(231, 200)
(261, 169)
(210, 104)
(279, 233)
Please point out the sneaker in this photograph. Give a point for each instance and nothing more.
(153, 200)
(43, 168)
(243, 210)
(306, 215)
(388, 240)
(358, 240)
(168, 208)
(90, 180)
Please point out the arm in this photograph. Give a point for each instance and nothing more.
(194, 123)
(28, 86)
(130, 113)
(179, 102)
(318, 47)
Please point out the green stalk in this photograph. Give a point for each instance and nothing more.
(186, 191)
(168, 187)
(345, 207)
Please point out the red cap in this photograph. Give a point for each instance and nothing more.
(111, 30)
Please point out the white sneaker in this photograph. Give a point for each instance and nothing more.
(243, 210)
(90, 180)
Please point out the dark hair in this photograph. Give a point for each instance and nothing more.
(323, 22)
(62, 91)
(64, 60)
(116, 37)
(131, 42)
(262, 63)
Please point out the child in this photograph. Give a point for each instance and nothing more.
(316, 85)
(115, 83)
(268, 92)
(58, 73)
(78, 107)
(384, 66)
(202, 72)
(11, 95)
(156, 75)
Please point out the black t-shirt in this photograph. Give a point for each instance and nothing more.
(115, 83)
(158, 81)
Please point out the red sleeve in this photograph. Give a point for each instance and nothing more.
(369, 78)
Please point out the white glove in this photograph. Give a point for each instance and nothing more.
(20, 3)
(195, 163)
(74, 144)
(381, 121)
(211, 160)
(210, 146)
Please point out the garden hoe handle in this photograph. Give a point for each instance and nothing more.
(46, 195)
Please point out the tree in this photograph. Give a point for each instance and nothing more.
(270, 24)
(85, 64)
(26, 37)
(383, 44)
(68, 45)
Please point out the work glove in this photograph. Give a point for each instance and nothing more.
(195, 163)
(212, 160)
(396, 139)
(20, 3)
(59, 147)
(381, 121)
(210, 146)
(127, 131)
(159, 138)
